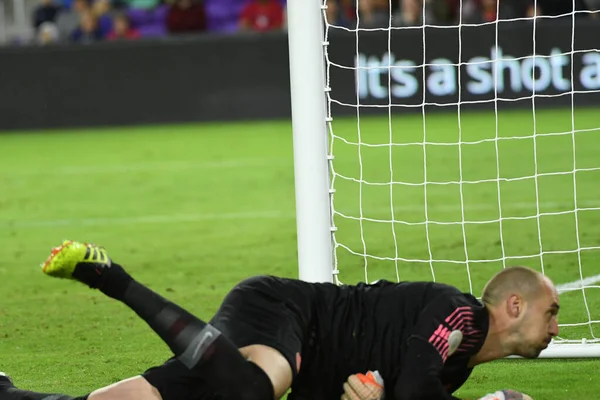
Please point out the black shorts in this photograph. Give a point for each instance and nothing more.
(173, 380)
(264, 310)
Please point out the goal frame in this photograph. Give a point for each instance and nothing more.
(314, 214)
(311, 164)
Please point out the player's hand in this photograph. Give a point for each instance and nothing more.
(367, 386)
(506, 395)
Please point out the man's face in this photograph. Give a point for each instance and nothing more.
(46, 37)
(412, 7)
(489, 4)
(121, 25)
(88, 22)
(101, 7)
(539, 323)
(80, 5)
(332, 11)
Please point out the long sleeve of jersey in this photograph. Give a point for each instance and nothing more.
(450, 326)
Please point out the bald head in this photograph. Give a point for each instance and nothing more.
(523, 281)
(523, 306)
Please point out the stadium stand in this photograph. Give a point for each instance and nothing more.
(44, 22)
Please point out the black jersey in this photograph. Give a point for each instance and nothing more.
(419, 335)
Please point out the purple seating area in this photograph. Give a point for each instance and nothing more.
(149, 22)
(223, 15)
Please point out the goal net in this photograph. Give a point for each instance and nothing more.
(457, 149)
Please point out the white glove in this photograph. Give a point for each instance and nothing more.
(506, 395)
(367, 386)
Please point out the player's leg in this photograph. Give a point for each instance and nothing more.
(267, 317)
(273, 363)
(197, 345)
(9, 392)
(136, 388)
(173, 380)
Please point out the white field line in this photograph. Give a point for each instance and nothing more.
(150, 166)
(148, 219)
(267, 214)
(578, 284)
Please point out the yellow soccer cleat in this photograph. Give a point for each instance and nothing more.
(78, 261)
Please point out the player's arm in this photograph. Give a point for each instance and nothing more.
(430, 344)
(420, 377)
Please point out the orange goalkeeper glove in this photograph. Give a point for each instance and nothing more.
(367, 386)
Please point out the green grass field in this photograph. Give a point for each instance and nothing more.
(190, 210)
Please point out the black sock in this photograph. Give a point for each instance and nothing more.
(197, 344)
(175, 326)
(18, 394)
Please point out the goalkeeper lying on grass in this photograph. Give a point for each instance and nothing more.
(274, 334)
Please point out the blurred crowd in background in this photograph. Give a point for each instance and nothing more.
(376, 13)
(86, 21)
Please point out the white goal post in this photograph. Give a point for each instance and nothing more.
(313, 158)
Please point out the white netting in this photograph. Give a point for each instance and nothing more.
(417, 195)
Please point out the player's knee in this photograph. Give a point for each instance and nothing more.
(136, 388)
(256, 386)
(270, 363)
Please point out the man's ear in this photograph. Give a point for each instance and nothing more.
(514, 306)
